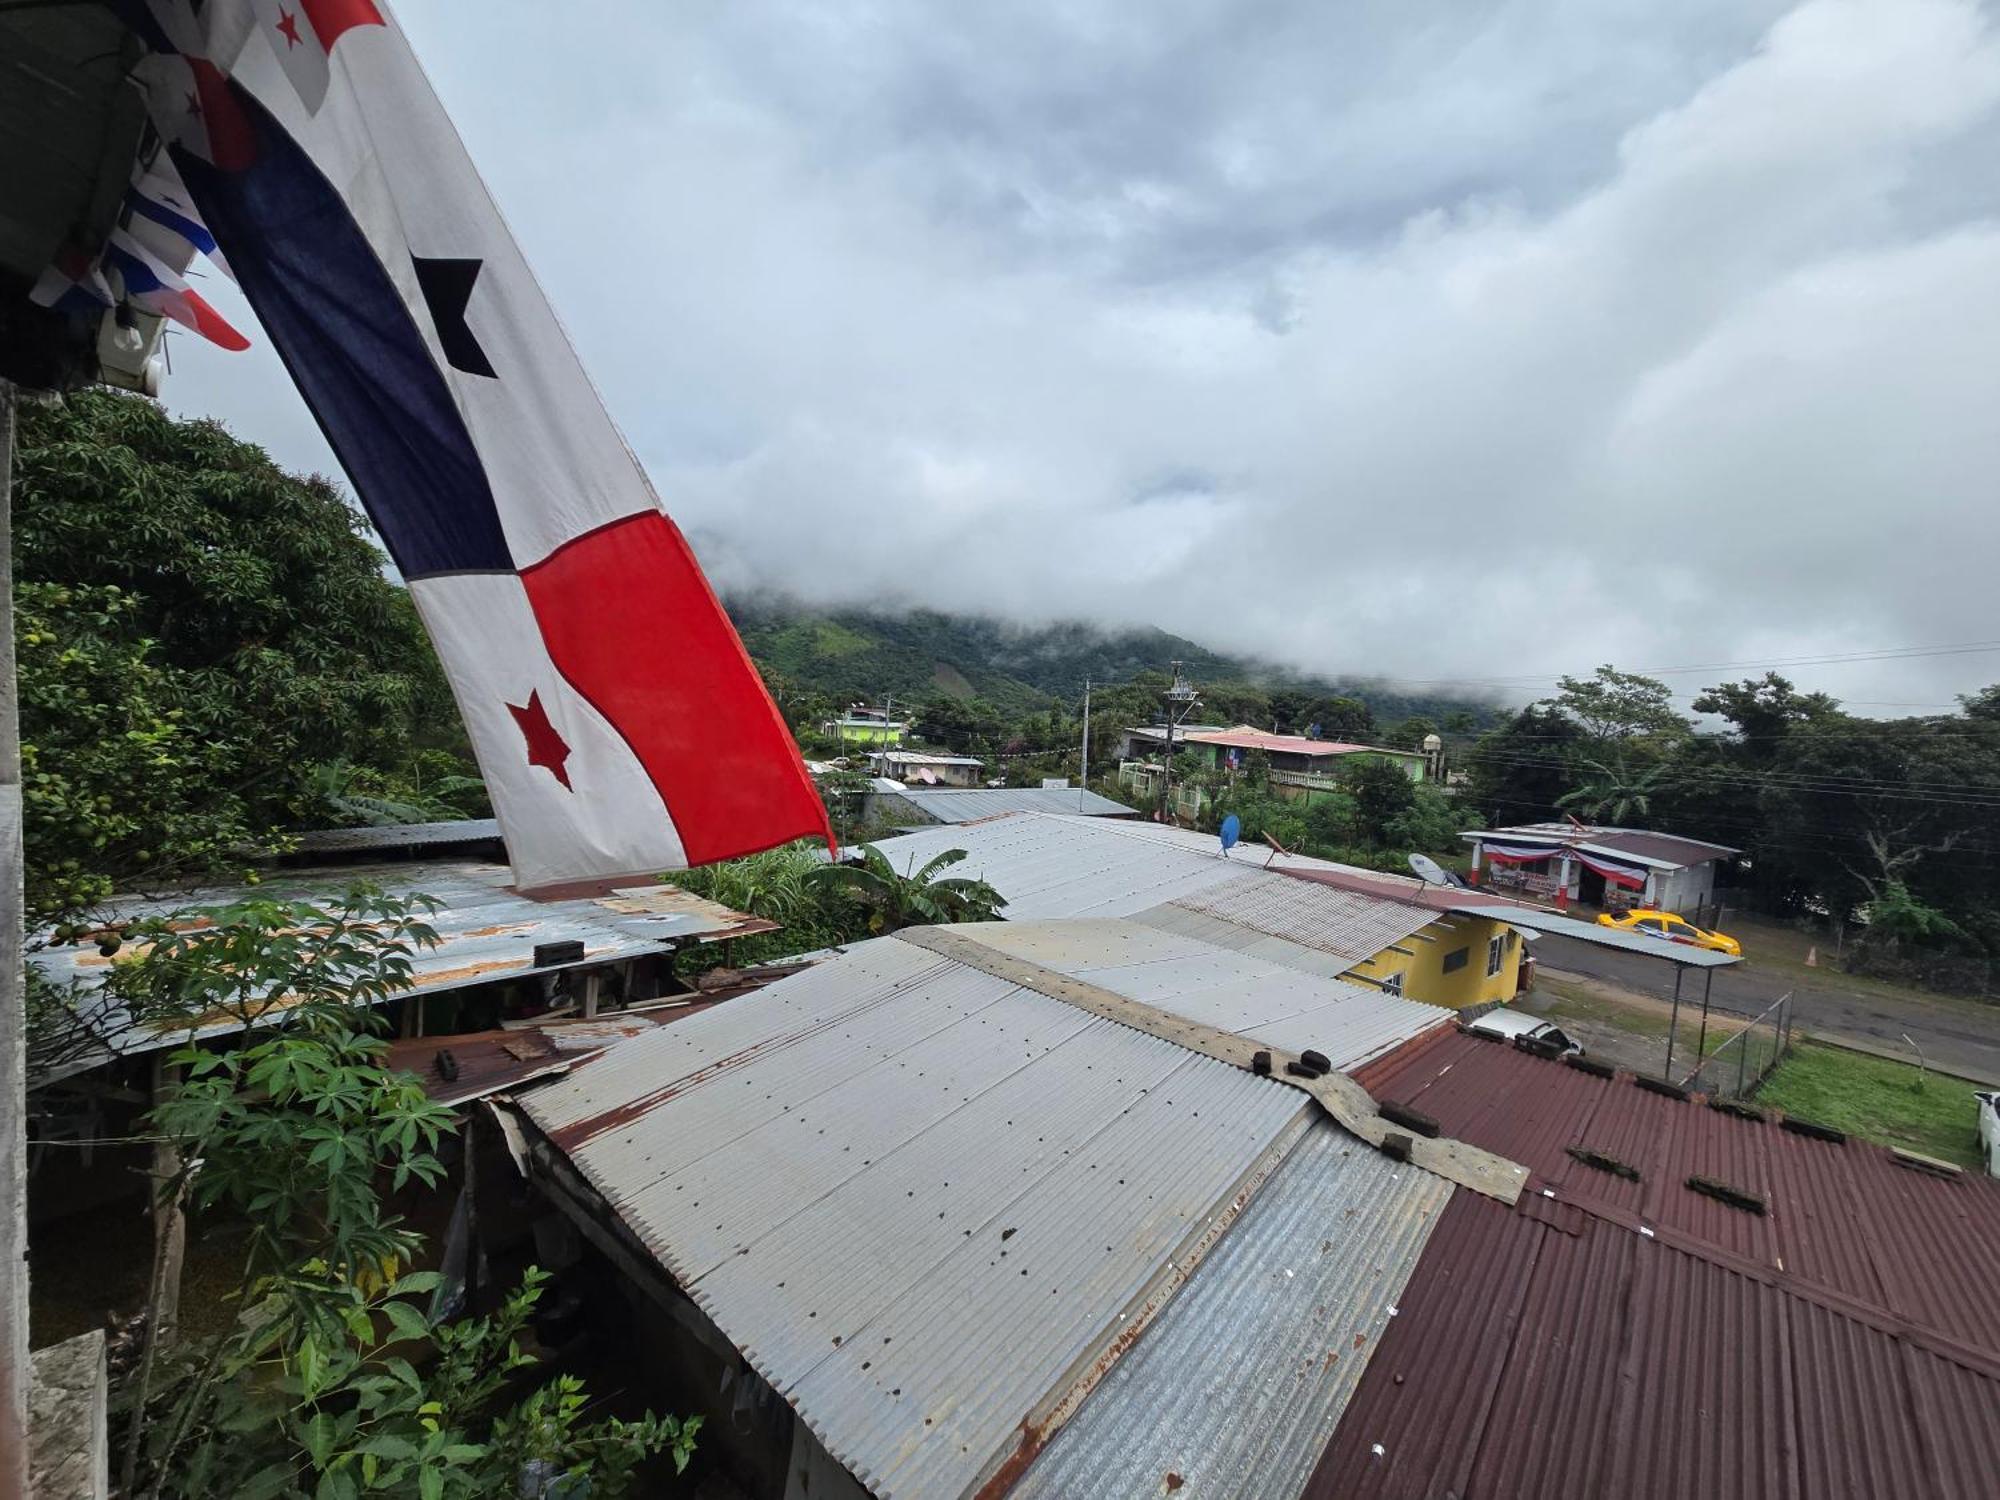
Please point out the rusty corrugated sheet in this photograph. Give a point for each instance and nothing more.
(1843, 1217)
(486, 931)
(929, 1206)
(1230, 989)
(1532, 1360)
(1241, 1381)
(1350, 923)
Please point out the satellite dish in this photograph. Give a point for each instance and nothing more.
(1433, 873)
(1232, 830)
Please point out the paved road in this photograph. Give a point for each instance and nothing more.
(1958, 1036)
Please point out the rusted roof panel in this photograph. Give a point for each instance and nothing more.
(1544, 1356)
(1353, 924)
(1844, 1217)
(927, 1204)
(486, 931)
(1240, 1382)
(1233, 991)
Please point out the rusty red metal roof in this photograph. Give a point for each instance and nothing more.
(1554, 1352)
(1243, 737)
(1845, 1219)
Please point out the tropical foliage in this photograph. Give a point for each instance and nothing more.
(887, 898)
(341, 1375)
(200, 635)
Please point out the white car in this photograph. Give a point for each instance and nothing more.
(1513, 1026)
(1989, 1130)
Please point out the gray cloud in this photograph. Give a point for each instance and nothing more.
(1485, 342)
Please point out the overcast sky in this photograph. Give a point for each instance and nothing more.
(1459, 341)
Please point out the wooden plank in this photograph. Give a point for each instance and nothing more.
(1350, 1105)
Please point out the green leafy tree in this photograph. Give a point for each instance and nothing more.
(889, 899)
(199, 631)
(317, 1390)
(1521, 769)
(1611, 705)
(1381, 792)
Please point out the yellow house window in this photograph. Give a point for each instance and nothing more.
(1496, 953)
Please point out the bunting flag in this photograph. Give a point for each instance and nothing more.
(620, 725)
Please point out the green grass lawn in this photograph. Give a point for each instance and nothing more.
(1890, 1103)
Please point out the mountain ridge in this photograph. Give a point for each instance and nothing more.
(857, 655)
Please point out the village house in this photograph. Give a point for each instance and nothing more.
(922, 768)
(1300, 768)
(1607, 868)
(866, 727)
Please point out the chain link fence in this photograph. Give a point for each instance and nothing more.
(1739, 1065)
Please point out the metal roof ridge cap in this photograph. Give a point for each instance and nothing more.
(1347, 1102)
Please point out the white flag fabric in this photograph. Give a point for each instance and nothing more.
(619, 723)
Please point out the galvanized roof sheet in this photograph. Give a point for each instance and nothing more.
(1238, 1385)
(1068, 866)
(1845, 1217)
(1232, 991)
(1554, 1355)
(970, 804)
(398, 836)
(486, 931)
(1353, 924)
(923, 1201)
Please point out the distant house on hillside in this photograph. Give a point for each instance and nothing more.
(1300, 767)
(866, 726)
(1603, 867)
(922, 769)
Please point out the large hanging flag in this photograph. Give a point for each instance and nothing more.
(618, 721)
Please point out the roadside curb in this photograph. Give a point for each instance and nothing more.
(1888, 1054)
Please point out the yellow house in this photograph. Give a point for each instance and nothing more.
(1455, 960)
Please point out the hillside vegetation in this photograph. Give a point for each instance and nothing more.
(858, 655)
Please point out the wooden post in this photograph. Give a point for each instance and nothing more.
(169, 1215)
(14, 1369)
(593, 988)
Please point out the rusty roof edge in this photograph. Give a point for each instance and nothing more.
(1047, 1416)
(1350, 1105)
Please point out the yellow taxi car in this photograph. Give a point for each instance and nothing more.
(1670, 928)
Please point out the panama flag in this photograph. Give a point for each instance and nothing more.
(619, 723)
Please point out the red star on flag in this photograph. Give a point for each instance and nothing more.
(288, 24)
(545, 746)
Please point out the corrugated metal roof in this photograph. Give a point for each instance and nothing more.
(1049, 866)
(1642, 844)
(919, 1198)
(1237, 1387)
(1352, 924)
(1549, 1356)
(1845, 1218)
(970, 804)
(1243, 737)
(1232, 991)
(486, 931)
(398, 836)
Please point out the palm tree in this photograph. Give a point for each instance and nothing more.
(892, 900)
(1613, 791)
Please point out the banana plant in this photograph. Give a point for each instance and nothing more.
(892, 899)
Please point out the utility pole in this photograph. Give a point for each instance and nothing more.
(14, 1368)
(1083, 769)
(1180, 694)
